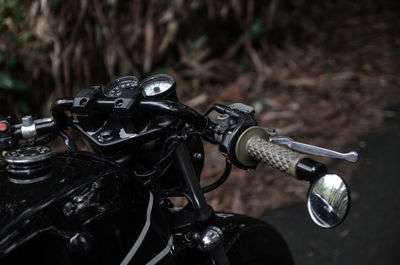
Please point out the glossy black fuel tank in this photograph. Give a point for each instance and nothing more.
(79, 209)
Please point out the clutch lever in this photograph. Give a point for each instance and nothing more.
(311, 149)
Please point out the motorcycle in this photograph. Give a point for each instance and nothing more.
(112, 204)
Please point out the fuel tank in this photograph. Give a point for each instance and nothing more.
(76, 208)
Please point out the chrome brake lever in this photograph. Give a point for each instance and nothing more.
(311, 149)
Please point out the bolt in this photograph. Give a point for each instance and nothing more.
(197, 156)
(223, 120)
(27, 121)
(272, 132)
(82, 102)
(119, 103)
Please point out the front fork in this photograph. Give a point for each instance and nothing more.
(210, 238)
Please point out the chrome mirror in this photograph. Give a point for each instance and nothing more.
(328, 201)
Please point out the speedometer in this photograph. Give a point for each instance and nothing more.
(160, 86)
(114, 89)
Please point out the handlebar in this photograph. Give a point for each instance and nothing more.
(33, 128)
(245, 150)
(30, 128)
(176, 109)
(235, 131)
(170, 107)
(38, 127)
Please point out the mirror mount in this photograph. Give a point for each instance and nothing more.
(309, 170)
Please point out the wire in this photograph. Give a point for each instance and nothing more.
(220, 180)
(42, 141)
(152, 177)
(209, 111)
(154, 170)
(228, 167)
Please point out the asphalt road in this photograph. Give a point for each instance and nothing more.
(371, 232)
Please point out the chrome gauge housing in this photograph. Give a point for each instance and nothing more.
(159, 86)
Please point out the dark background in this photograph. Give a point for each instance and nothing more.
(321, 72)
(370, 234)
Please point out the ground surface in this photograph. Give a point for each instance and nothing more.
(370, 234)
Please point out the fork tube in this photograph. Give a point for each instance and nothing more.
(192, 186)
(202, 211)
(218, 256)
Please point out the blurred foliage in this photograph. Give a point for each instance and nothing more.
(287, 58)
(12, 13)
(54, 47)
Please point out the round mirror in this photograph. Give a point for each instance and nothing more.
(328, 201)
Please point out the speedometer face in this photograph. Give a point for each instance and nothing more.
(155, 88)
(114, 89)
(158, 85)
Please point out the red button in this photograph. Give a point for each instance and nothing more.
(3, 127)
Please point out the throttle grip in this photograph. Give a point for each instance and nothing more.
(274, 155)
(253, 146)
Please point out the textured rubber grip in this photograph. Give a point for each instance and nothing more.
(274, 155)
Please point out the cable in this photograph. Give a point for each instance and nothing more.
(220, 180)
(154, 170)
(42, 141)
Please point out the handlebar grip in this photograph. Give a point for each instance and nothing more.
(274, 155)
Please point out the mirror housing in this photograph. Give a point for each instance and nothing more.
(328, 201)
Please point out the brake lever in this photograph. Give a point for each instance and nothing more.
(313, 150)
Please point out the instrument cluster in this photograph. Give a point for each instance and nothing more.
(155, 86)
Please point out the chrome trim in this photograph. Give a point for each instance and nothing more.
(211, 238)
(29, 132)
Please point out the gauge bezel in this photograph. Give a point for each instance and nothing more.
(155, 78)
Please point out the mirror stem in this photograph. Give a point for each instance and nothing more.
(309, 169)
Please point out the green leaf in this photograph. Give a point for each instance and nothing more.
(257, 29)
(26, 36)
(19, 14)
(199, 42)
(22, 106)
(5, 81)
(159, 71)
(12, 61)
(194, 46)
(112, 2)
(8, 83)
(21, 39)
(1, 21)
(11, 3)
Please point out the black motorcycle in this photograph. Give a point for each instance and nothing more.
(111, 204)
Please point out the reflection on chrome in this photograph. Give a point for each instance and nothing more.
(328, 201)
